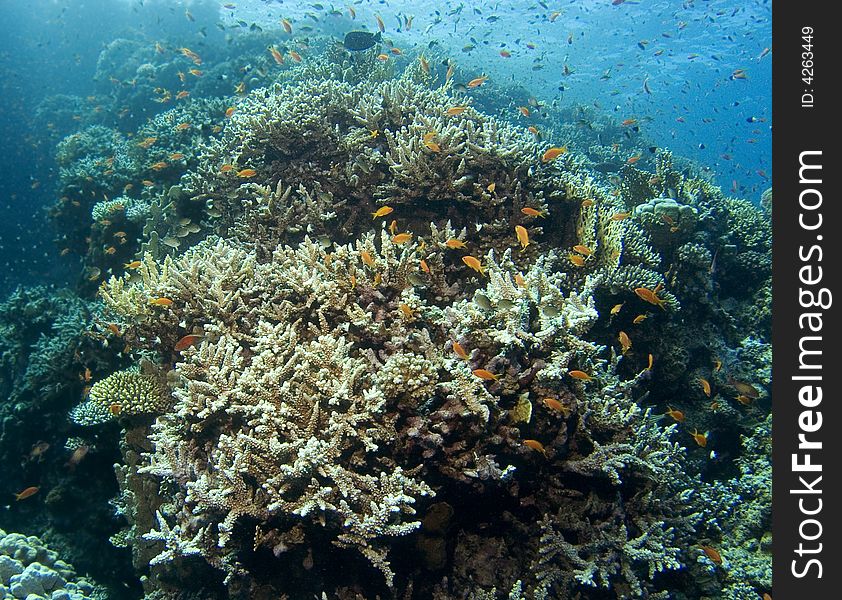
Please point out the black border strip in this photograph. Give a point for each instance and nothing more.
(806, 504)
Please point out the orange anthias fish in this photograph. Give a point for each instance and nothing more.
(246, 173)
(553, 153)
(581, 249)
(459, 350)
(522, 236)
(381, 212)
(532, 212)
(712, 554)
(576, 259)
(24, 494)
(474, 264)
(524, 111)
(700, 438)
(187, 341)
(455, 110)
(505, 54)
(132, 265)
(535, 445)
(287, 25)
(650, 296)
(367, 258)
(182, 95)
(380, 25)
(161, 302)
(745, 389)
(276, 55)
(295, 56)
(425, 66)
(484, 374)
(705, 386)
(580, 375)
(382, 57)
(677, 415)
(620, 216)
(625, 341)
(455, 244)
(473, 83)
(401, 238)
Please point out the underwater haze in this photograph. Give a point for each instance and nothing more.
(385, 300)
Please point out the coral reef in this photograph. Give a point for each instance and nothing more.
(359, 338)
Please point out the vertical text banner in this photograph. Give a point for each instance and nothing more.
(807, 455)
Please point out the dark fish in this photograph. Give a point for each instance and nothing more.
(361, 40)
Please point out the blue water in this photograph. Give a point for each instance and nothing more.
(593, 53)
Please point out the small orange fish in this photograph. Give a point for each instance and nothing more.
(77, 456)
(484, 374)
(700, 438)
(401, 238)
(229, 112)
(576, 259)
(295, 56)
(425, 66)
(532, 212)
(424, 266)
(505, 53)
(451, 68)
(182, 126)
(743, 399)
(459, 350)
(620, 216)
(367, 259)
(381, 212)
(176, 156)
(455, 244)
(115, 408)
(187, 341)
(584, 250)
(535, 445)
(287, 25)
(580, 375)
(161, 302)
(587, 202)
(196, 72)
(524, 111)
(677, 415)
(432, 146)
(393, 227)
(473, 83)
(553, 404)
(767, 597)
(712, 554)
(705, 386)
(226, 168)
(522, 236)
(406, 310)
(146, 143)
(628, 122)
(616, 308)
(633, 159)
(491, 187)
(520, 280)
(639, 319)
(474, 264)
(23, 495)
(110, 250)
(159, 166)
(114, 329)
(395, 51)
(382, 57)
(380, 25)
(455, 110)
(276, 55)
(533, 130)
(246, 173)
(553, 153)
(353, 280)
(650, 296)
(651, 362)
(182, 94)
(743, 388)
(717, 365)
(625, 341)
